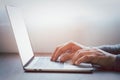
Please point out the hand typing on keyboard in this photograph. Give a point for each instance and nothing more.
(78, 54)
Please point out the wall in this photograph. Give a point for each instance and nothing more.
(52, 22)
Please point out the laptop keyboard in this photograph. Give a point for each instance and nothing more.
(44, 62)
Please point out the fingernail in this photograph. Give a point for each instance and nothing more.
(76, 63)
(61, 60)
(53, 59)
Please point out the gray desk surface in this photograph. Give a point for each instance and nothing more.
(11, 69)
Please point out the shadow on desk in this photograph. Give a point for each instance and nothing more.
(11, 69)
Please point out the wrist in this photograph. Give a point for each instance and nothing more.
(112, 59)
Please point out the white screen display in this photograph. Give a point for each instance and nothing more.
(20, 33)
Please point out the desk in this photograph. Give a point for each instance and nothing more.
(11, 69)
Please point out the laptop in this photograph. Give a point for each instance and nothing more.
(30, 62)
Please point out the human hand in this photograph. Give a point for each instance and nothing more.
(66, 51)
(95, 56)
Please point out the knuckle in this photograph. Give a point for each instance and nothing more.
(71, 43)
(78, 51)
(86, 57)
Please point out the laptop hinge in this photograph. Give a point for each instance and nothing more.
(28, 62)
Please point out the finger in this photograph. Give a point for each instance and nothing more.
(53, 55)
(62, 49)
(66, 57)
(80, 53)
(75, 48)
(68, 46)
(84, 59)
(77, 55)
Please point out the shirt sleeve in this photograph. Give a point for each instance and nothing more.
(113, 49)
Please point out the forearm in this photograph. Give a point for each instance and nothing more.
(114, 49)
(116, 65)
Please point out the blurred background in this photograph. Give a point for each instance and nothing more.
(52, 22)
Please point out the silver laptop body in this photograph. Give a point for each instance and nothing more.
(31, 62)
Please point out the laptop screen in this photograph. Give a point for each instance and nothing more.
(20, 33)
